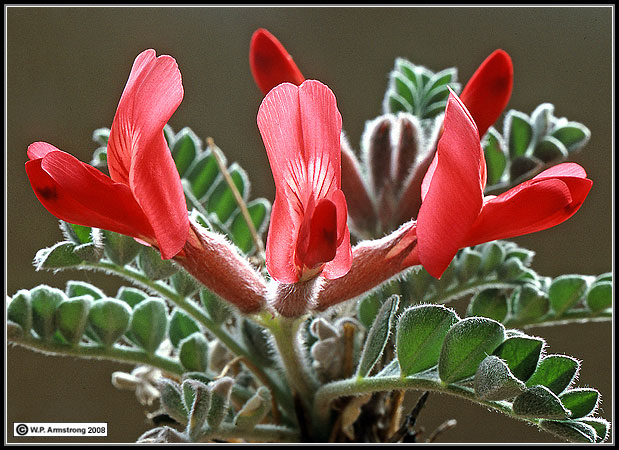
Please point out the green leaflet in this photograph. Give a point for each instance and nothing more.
(466, 345)
(109, 319)
(565, 291)
(420, 334)
(556, 372)
(181, 325)
(521, 354)
(581, 401)
(377, 336)
(494, 381)
(149, 324)
(72, 318)
(539, 402)
(193, 352)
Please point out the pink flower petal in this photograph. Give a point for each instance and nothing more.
(138, 154)
(301, 127)
(489, 89)
(270, 63)
(537, 204)
(341, 263)
(79, 194)
(453, 191)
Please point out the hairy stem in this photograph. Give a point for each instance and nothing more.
(218, 331)
(357, 386)
(115, 353)
(260, 433)
(285, 334)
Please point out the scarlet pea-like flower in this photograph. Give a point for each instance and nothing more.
(454, 212)
(270, 63)
(489, 89)
(308, 234)
(143, 196)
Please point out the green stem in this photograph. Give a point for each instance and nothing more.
(115, 353)
(357, 386)
(567, 317)
(285, 334)
(462, 290)
(182, 302)
(260, 433)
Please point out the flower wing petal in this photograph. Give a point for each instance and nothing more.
(547, 200)
(77, 193)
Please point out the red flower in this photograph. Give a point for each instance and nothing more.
(300, 127)
(270, 63)
(143, 196)
(454, 212)
(489, 89)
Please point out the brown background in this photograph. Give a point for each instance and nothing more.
(66, 68)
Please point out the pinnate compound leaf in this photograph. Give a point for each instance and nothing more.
(149, 324)
(521, 354)
(539, 402)
(466, 345)
(109, 319)
(555, 372)
(420, 334)
(378, 336)
(581, 401)
(570, 430)
(494, 381)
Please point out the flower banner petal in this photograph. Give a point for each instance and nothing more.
(322, 127)
(453, 193)
(270, 63)
(489, 89)
(138, 154)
